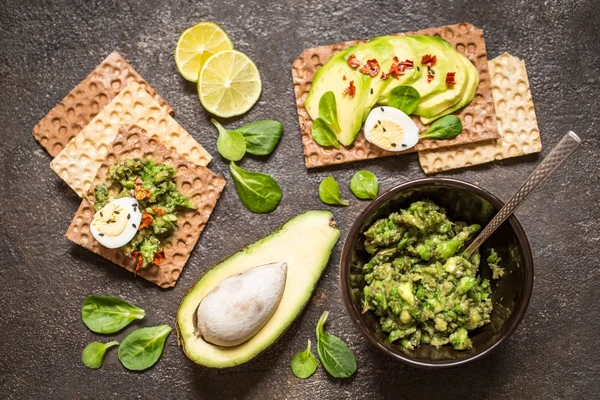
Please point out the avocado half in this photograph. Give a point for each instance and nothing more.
(305, 244)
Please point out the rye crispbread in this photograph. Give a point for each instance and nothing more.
(77, 164)
(198, 183)
(86, 100)
(478, 118)
(517, 123)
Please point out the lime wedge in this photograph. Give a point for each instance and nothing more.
(196, 44)
(229, 84)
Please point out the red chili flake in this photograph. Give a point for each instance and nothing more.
(429, 60)
(344, 77)
(397, 69)
(159, 211)
(141, 193)
(370, 68)
(450, 78)
(408, 63)
(158, 257)
(384, 76)
(396, 59)
(350, 90)
(146, 220)
(140, 261)
(353, 61)
(138, 181)
(430, 78)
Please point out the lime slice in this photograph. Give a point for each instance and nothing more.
(229, 84)
(196, 44)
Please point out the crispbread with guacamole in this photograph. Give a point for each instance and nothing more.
(86, 100)
(77, 164)
(478, 117)
(198, 183)
(517, 123)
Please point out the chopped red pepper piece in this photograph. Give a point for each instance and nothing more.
(158, 257)
(428, 60)
(159, 211)
(396, 59)
(370, 68)
(430, 78)
(450, 78)
(353, 61)
(350, 90)
(146, 220)
(140, 261)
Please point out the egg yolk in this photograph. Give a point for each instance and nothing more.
(110, 220)
(387, 134)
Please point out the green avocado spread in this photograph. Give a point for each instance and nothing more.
(153, 186)
(418, 283)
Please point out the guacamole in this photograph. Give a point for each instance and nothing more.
(417, 282)
(153, 186)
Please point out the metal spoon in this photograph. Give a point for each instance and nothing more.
(567, 145)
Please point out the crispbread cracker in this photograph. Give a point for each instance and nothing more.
(517, 124)
(198, 183)
(86, 100)
(79, 161)
(478, 118)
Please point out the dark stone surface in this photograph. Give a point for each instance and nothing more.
(47, 47)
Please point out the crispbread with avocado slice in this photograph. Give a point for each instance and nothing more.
(198, 183)
(517, 123)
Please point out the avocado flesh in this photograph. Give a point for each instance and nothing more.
(451, 95)
(469, 94)
(330, 77)
(405, 48)
(383, 52)
(305, 244)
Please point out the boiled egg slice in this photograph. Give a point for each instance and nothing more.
(390, 129)
(117, 222)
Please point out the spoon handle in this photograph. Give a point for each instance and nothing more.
(567, 145)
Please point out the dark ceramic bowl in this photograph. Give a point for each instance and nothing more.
(462, 201)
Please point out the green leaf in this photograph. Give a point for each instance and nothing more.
(445, 128)
(230, 144)
(261, 136)
(335, 356)
(329, 192)
(304, 363)
(93, 354)
(259, 192)
(106, 314)
(404, 98)
(328, 111)
(142, 348)
(323, 135)
(364, 185)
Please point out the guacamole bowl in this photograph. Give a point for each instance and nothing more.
(510, 293)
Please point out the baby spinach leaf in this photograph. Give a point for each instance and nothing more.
(323, 135)
(328, 111)
(329, 192)
(445, 128)
(304, 363)
(106, 314)
(335, 356)
(93, 354)
(261, 136)
(259, 192)
(404, 98)
(364, 185)
(142, 348)
(230, 144)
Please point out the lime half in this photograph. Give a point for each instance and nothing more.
(229, 84)
(196, 44)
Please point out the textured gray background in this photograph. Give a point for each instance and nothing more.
(47, 47)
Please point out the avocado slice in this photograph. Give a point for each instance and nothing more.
(405, 48)
(468, 95)
(336, 76)
(305, 244)
(436, 103)
(381, 50)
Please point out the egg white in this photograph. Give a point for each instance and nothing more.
(131, 207)
(410, 135)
